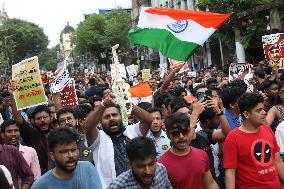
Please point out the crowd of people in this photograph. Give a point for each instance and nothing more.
(197, 132)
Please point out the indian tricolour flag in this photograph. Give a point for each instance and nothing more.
(175, 33)
(140, 93)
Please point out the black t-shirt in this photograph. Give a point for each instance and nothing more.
(34, 138)
(120, 156)
(203, 143)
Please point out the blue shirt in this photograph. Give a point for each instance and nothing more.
(234, 121)
(162, 144)
(85, 176)
(127, 180)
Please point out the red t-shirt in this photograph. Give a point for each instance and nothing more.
(253, 157)
(186, 171)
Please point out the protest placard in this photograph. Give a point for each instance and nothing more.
(243, 72)
(62, 78)
(121, 71)
(29, 90)
(146, 75)
(273, 46)
(175, 63)
(68, 95)
(131, 71)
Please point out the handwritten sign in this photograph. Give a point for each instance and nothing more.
(29, 90)
(68, 95)
(273, 46)
(243, 72)
(62, 78)
(146, 75)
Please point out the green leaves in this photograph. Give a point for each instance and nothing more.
(99, 32)
(22, 39)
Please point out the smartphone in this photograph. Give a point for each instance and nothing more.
(200, 96)
(208, 93)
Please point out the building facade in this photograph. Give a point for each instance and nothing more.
(66, 46)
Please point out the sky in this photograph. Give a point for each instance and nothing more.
(53, 15)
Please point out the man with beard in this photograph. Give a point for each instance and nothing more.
(68, 172)
(270, 88)
(10, 133)
(192, 169)
(108, 144)
(159, 136)
(145, 172)
(67, 118)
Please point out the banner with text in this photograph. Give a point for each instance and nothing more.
(62, 78)
(146, 75)
(29, 90)
(68, 95)
(273, 46)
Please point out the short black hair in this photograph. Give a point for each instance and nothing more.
(230, 95)
(238, 83)
(179, 106)
(176, 120)
(162, 99)
(176, 101)
(140, 148)
(7, 123)
(62, 135)
(208, 113)
(92, 81)
(81, 111)
(144, 105)
(65, 110)
(210, 81)
(260, 73)
(152, 110)
(248, 101)
(40, 108)
(266, 84)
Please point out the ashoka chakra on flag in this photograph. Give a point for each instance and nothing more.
(175, 33)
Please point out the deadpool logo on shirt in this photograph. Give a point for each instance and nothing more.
(261, 152)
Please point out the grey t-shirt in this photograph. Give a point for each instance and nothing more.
(85, 176)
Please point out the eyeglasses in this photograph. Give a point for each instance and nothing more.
(184, 132)
(72, 151)
(63, 120)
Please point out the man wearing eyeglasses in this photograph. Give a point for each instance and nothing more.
(68, 172)
(187, 167)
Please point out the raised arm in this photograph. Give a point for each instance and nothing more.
(144, 117)
(17, 114)
(169, 78)
(271, 115)
(95, 117)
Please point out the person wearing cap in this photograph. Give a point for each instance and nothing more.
(274, 54)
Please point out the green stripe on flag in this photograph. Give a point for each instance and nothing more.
(163, 41)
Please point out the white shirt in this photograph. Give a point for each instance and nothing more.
(162, 144)
(279, 134)
(103, 153)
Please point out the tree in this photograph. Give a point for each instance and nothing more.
(48, 58)
(98, 33)
(244, 26)
(22, 39)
